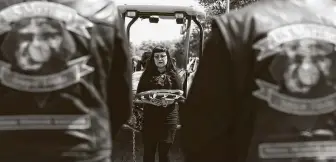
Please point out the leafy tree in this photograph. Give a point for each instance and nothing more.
(213, 8)
(216, 7)
(174, 46)
(149, 45)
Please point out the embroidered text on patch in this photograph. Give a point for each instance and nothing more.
(73, 21)
(46, 83)
(313, 149)
(45, 122)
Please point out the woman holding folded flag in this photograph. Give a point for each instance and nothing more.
(161, 115)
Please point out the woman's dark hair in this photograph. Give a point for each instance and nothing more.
(152, 70)
(151, 64)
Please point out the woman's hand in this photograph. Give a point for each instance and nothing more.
(156, 102)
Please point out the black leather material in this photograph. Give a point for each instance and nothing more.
(245, 98)
(86, 115)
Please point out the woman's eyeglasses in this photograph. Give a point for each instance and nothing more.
(160, 56)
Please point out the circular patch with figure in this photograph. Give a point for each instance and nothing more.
(303, 66)
(38, 46)
(38, 49)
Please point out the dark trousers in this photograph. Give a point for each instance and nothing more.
(150, 151)
(158, 140)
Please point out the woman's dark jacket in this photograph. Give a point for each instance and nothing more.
(160, 115)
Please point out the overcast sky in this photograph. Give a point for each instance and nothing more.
(142, 30)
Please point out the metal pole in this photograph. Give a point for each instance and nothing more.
(128, 29)
(186, 50)
(227, 6)
(201, 35)
(187, 40)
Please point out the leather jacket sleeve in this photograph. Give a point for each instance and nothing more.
(119, 75)
(224, 119)
(113, 46)
(206, 114)
(120, 78)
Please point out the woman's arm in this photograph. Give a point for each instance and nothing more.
(143, 84)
